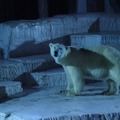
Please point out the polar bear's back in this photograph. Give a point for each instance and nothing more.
(110, 53)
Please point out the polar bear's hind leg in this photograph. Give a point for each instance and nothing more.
(113, 88)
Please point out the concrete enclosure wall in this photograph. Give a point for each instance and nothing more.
(31, 37)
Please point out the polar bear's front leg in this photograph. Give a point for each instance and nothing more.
(69, 80)
(69, 83)
(76, 76)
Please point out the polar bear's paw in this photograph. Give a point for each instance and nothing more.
(64, 91)
(109, 92)
(69, 92)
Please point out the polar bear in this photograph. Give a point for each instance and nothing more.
(101, 62)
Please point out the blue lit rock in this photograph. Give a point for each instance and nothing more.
(85, 23)
(5, 35)
(85, 40)
(109, 23)
(91, 39)
(69, 24)
(10, 70)
(16, 36)
(37, 62)
(10, 88)
(49, 78)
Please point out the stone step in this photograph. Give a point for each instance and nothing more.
(48, 78)
(93, 39)
(14, 68)
(9, 88)
(37, 62)
(10, 69)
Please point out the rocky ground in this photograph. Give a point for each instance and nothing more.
(41, 103)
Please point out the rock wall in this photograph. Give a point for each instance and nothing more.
(91, 39)
(31, 37)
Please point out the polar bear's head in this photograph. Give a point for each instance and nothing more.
(59, 50)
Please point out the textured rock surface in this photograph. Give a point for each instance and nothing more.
(70, 24)
(10, 88)
(37, 62)
(47, 78)
(5, 33)
(16, 36)
(74, 24)
(48, 103)
(90, 39)
(109, 23)
(9, 116)
(10, 70)
(85, 40)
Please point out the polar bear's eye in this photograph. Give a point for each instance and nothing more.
(60, 48)
(66, 47)
(55, 48)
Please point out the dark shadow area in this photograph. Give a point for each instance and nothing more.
(21, 78)
(3, 94)
(57, 7)
(60, 7)
(1, 53)
(20, 9)
(92, 94)
(26, 9)
(90, 81)
(35, 9)
(115, 4)
(94, 27)
(95, 6)
(31, 48)
(27, 80)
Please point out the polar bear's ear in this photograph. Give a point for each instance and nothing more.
(68, 48)
(50, 44)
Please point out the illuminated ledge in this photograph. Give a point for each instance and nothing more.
(94, 39)
(49, 104)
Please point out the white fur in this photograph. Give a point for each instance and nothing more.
(101, 62)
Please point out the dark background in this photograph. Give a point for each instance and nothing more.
(34, 9)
